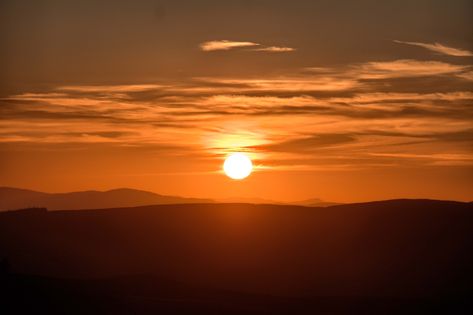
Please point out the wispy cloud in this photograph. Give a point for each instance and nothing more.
(400, 69)
(468, 75)
(439, 48)
(407, 68)
(111, 88)
(343, 114)
(275, 49)
(225, 45)
(296, 84)
(228, 45)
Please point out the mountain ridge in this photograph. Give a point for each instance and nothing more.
(16, 198)
(12, 198)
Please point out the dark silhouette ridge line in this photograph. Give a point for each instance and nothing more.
(16, 198)
(282, 206)
(397, 202)
(13, 198)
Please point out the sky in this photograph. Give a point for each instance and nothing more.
(340, 100)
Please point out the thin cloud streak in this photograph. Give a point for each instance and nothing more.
(224, 45)
(439, 48)
(407, 68)
(217, 45)
(275, 49)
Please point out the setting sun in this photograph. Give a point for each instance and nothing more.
(237, 166)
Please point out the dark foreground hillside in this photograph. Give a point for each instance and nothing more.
(151, 295)
(392, 257)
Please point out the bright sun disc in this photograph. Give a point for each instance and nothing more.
(237, 166)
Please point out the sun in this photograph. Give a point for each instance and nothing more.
(237, 166)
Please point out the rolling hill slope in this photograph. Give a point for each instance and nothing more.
(389, 248)
(14, 198)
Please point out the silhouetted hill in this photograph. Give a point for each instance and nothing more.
(250, 200)
(377, 251)
(14, 198)
(315, 202)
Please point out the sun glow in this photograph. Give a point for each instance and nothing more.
(237, 166)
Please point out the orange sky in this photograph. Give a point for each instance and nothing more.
(125, 104)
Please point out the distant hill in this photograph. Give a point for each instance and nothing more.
(315, 202)
(396, 248)
(15, 198)
(249, 200)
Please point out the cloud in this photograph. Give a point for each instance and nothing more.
(288, 84)
(406, 68)
(111, 88)
(275, 49)
(317, 118)
(224, 45)
(439, 48)
(468, 75)
(228, 45)
(310, 143)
